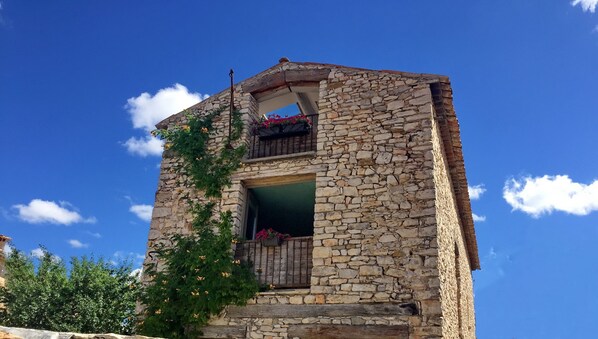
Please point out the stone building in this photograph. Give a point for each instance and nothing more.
(3, 240)
(374, 195)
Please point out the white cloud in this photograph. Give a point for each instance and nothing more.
(94, 234)
(143, 212)
(475, 192)
(145, 146)
(122, 257)
(478, 218)
(37, 253)
(543, 195)
(8, 249)
(2, 21)
(147, 110)
(494, 264)
(42, 211)
(136, 273)
(128, 255)
(586, 5)
(5, 214)
(77, 244)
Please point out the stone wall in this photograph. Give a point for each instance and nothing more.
(456, 284)
(26, 333)
(375, 202)
(3, 240)
(379, 188)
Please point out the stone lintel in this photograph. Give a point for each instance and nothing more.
(284, 78)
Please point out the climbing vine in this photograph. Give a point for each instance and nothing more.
(200, 275)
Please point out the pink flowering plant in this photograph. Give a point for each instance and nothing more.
(276, 120)
(269, 233)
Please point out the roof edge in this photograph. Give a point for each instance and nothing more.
(442, 96)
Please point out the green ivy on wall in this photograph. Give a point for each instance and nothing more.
(199, 276)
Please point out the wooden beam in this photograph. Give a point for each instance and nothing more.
(223, 332)
(307, 107)
(264, 83)
(271, 93)
(306, 75)
(314, 331)
(280, 180)
(328, 310)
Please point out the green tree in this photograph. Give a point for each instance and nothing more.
(94, 297)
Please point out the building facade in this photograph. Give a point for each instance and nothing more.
(373, 194)
(3, 241)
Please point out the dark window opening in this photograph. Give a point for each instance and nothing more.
(284, 208)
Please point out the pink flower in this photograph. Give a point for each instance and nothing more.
(277, 120)
(270, 234)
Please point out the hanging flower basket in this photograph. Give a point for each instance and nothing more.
(283, 131)
(270, 237)
(278, 127)
(272, 242)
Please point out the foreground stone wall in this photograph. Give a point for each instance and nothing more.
(26, 333)
(384, 218)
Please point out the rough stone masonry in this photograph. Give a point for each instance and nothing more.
(393, 238)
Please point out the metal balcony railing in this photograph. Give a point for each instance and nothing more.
(260, 147)
(286, 266)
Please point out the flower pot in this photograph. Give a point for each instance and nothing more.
(271, 242)
(282, 131)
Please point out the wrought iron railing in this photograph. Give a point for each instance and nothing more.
(286, 266)
(260, 147)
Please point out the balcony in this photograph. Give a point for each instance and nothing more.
(260, 147)
(286, 266)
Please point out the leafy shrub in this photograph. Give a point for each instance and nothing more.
(94, 297)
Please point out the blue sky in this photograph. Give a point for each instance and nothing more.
(81, 83)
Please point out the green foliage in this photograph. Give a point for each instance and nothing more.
(95, 297)
(104, 297)
(209, 171)
(200, 276)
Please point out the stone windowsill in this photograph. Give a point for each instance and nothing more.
(295, 291)
(281, 157)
